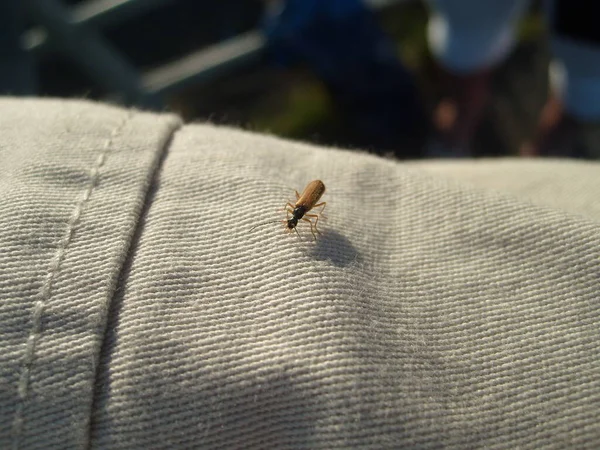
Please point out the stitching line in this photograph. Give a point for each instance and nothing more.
(46, 291)
(114, 301)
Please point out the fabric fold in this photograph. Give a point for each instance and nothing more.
(73, 179)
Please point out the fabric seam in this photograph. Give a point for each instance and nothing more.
(53, 270)
(154, 172)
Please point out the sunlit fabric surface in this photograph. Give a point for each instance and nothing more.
(448, 304)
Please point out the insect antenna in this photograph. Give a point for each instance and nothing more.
(264, 223)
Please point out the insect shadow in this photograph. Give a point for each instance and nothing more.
(335, 247)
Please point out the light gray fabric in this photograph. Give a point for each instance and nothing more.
(566, 185)
(446, 304)
(73, 179)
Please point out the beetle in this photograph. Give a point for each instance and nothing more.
(305, 202)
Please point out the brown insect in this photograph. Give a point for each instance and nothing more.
(304, 203)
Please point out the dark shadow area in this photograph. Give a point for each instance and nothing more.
(520, 89)
(203, 406)
(333, 246)
(386, 109)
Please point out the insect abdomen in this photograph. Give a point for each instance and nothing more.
(311, 195)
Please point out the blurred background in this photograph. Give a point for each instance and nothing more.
(349, 73)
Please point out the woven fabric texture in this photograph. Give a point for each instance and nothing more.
(73, 179)
(449, 305)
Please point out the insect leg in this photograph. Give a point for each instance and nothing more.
(311, 227)
(321, 204)
(316, 216)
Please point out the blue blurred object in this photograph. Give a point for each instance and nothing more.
(342, 43)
